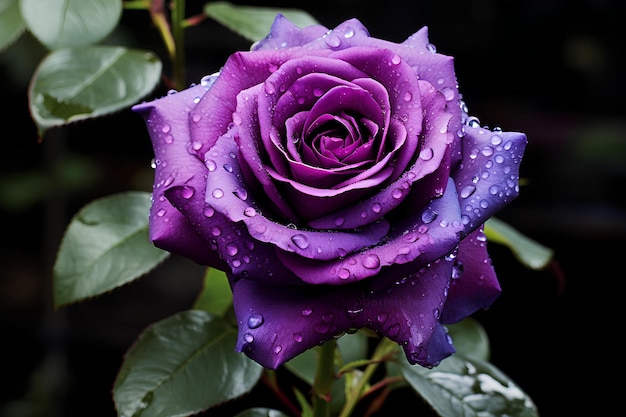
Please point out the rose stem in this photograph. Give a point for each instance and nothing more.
(324, 377)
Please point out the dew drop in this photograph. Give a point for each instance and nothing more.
(187, 192)
(210, 165)
(297, 337)
(300, 241)
(216, 231)
(255, 321)
(377, 208)
(371, 261)
(322, 328)
(249, 212)
(241, 194)
(382, 317)
(429, 215)
(344, 273)
(395, 59)
(232, 250)
(161, 213)
(317, 92)
(397, 193)
(307, 312)
(217, 193)
(277, 349)
(427, 154)
(408, 96)
(467, 191)
(248, 338)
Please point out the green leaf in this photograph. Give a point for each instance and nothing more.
(470, 338)
(83, 83)
(106, 245)
(261, 412)
(251, 22)
(182, 365)
(529, 252)
(216, 296)
(466, 386)
(66, 23)
(11, 23)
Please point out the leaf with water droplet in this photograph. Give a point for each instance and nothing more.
(105, 246)
(188, 348)
(467, 386)
(75, 84)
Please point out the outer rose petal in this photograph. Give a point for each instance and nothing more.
(284, 34)
(277, 323)
(169, 128)
(487, 178)
(474, 283)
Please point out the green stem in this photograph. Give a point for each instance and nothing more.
(324, 377)
(384, 348)
(178, 32)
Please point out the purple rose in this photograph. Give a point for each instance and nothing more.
(339, 182)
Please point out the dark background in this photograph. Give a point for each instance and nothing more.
(552, 69)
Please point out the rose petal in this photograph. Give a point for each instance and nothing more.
(415, 241)
(474, 283)
(168, 127)
(284, 34)
(226, 192)
(278, 323)
(434, 156)
(487, 179)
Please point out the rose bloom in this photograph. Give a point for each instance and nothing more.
(338, 181)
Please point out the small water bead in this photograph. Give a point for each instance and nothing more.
(344, 273)
(339, 221)
(307, 312)
(161, 212)
(487, 150)
(188, 192)
(249, 212)
(169, 139)
(395, 60)
(429, 215)
(166, 128)
(196, 117)
(241, 194)
(407, 96)
(499, 159)
(467, 191)
(472, 121)
(216, 231)
(236, 263)
(484, 204)
(297, 337)
(448, 93)
(377, 208)
(382, 317)
(317, 92)
(371, 261)
(333, 40)
(354, 312)
(218, 193)
(195, 145)
(493, 190)
(277, 349)
(232, 250)
(397, 193)
(427, 154)
(255, 321)
(300, 240)
(270, 88)
(457, 270)
(228, 168)
(348, 33)
(431, 48)
(321, 328)
(248, 338)
(496, 140)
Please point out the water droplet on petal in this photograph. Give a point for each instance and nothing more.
(231, 249)
(427, 154)
(307, 312)
(467, 191)
(218, 193)
(429, 215)
(297, 337)
(255, 321)
(241, 194)
(187, 192)
(248, 338)
(344, 273)
(371, 261)
(300, 241)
